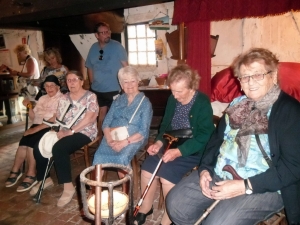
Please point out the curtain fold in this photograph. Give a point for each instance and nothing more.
(215, 10)
(198, 52)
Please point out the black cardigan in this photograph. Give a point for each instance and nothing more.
(284, 140)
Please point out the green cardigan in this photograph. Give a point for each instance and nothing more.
(201, 121)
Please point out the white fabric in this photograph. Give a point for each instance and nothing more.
(46, 143)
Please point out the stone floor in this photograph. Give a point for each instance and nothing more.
(19, 208)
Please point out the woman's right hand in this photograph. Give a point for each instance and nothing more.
(25, 102)
(153, 149)
(205, 179)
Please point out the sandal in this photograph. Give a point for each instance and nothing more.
(141, 217)
(11, 181)
(25, 186)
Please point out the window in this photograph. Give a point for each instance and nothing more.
(141, 45)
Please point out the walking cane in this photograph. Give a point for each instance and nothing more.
(230, 170)
(171, 139)
(26, 127)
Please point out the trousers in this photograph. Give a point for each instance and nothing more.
(61, 152)
(185, 204)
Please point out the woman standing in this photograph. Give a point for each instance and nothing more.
(53, 62)
(187, 108)
(30, 71)
(81, 133)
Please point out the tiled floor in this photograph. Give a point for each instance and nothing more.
(19, 208)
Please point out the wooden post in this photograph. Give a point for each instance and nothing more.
(181, 44)
(98, 196)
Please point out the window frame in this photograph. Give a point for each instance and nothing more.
(146, 66)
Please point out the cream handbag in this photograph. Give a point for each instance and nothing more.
(121, 133)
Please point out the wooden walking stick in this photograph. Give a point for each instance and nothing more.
(171, 139)
(98, 168)
(230, 170)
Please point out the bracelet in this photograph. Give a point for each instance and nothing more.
(73, 131)
(128, 140)
(29, 106)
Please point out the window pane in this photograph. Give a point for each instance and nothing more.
(141, 31)
(151, 58)
(142, 58)
(150, 33)
(132, 57)
(142, 45)
(131, 31)
(151, 44)
(132, 45)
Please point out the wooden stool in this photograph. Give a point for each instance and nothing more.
(110, 185)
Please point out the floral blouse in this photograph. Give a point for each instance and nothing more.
(68, 110)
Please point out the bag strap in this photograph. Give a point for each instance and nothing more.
(136, 109)
(266, 157)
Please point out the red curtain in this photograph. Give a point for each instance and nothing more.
(197, 14)
(214, 10)
(198, 52)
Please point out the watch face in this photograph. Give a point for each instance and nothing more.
(248, 192)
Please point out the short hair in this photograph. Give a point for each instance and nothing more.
(21, 48)
(126, 72)
(100, 24)
(53, 51)
(184, 72)
(255, 55)
(75, 72)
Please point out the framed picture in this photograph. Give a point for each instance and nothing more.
(2, 42)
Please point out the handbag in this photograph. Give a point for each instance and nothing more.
(181, 134)
(121, 133)
(46, 143)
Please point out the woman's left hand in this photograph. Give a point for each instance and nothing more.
(119, 145)
(171, 154)
(63, 133)
(228, 189)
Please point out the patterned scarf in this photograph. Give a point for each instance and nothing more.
(250, 117)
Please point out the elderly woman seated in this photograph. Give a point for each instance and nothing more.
(44, 109)
(83, 131)
(186, 109)
(132, 110)
(259, 138)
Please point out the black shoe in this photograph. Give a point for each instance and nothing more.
(141, 217)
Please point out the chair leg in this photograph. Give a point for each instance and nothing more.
(136, 176)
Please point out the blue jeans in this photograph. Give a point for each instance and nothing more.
(185, 204)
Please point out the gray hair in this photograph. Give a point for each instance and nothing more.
(126, 72)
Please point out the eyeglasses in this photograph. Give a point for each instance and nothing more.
(256, 77)
(49, 86)
(101, 54)
(104, 32)
(73, 80)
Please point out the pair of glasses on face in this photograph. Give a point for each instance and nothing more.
(101, 54)
(49, 86)
(74, 80)
(105, 32)
(256, 77)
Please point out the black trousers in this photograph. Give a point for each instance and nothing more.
(61, 152)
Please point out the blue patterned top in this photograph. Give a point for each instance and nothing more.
(255, 164)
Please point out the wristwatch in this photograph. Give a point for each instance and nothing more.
(248, 189)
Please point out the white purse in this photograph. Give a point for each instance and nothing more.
(121, 133)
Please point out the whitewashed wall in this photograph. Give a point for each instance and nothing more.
(280, 34)
(14, 37)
